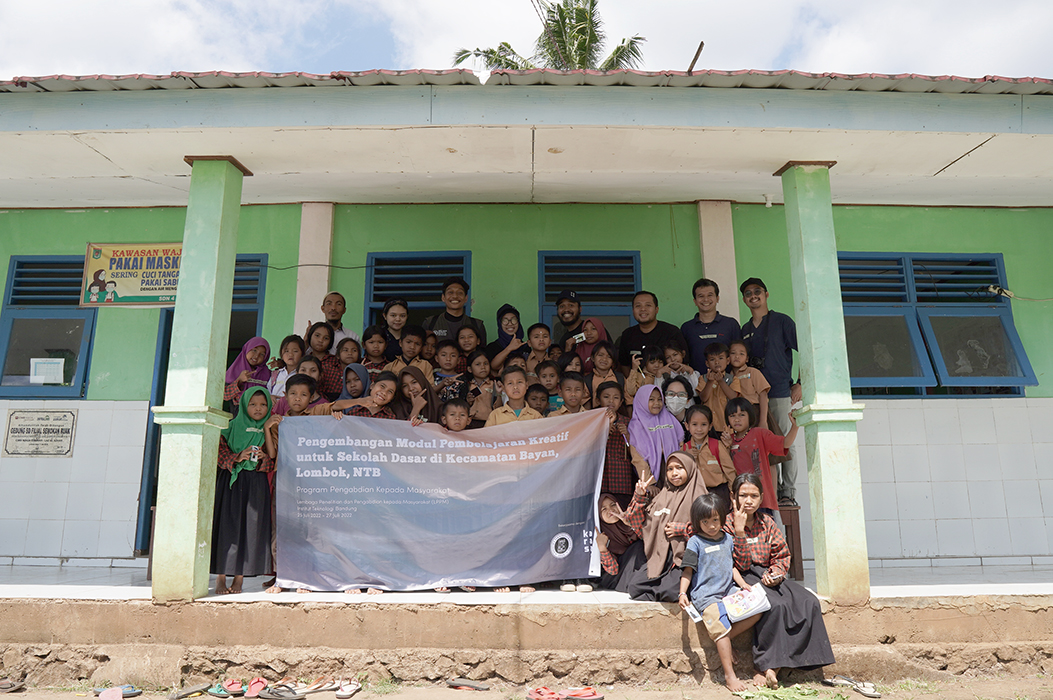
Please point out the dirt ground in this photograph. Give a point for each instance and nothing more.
(1037, 687)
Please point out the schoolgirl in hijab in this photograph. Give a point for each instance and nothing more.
(649, 568)
(248, 369)
(653, 430)
(356, 383)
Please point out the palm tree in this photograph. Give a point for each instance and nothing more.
(572, 39)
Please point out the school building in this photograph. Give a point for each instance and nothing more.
(887, 214)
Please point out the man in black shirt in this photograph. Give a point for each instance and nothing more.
(446, 325)
(568, 315)
(648, 330)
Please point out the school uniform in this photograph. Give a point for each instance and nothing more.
(564, 411)
(424, 366)
(716, 402)
(636, 379)
(331, 384)
(593, 381)
(505, 414)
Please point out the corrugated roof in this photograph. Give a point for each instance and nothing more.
(756, 79)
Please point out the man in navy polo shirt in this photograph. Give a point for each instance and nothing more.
(708, 326)
(771, 338)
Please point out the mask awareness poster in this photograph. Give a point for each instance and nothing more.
(131, 275)
(370, 502)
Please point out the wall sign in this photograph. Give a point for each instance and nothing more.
(131, 275)
(40, 433)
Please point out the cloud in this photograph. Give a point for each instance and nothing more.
(963, 37)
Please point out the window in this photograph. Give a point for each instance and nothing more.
(415, 277)
(605, 280)
(929, 324)
(45, 338)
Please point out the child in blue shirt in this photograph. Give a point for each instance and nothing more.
(709, 574)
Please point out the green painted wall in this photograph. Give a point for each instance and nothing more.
(505, 239)
(1022, 236)
(125, 341)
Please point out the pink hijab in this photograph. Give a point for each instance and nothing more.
(584, 350)
(260, 374)
(654, 437)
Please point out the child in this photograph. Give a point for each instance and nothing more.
(570, 362)
(514, 361)
(319, 340)
(348, 351)
(675, 352)
(416, 400)
(708, 575)
(613, 540)
(661, 523)
(376, 403)
(468, 341)
(654, 431)
(298, 392)
(448, 381)
(514, 381)
(717, 389)
(572, 388)
(291, 352)
(509, 337)
(602, 368)
(711, 456)
(427, 351)
(248, 369)
(555, 352)
(411, 344)
(750, 446)
(313, 369)
(375, 344)
(241, 521)
(482, 390)
(548, 374)
(537, 398)
(653, 362)
(622, 464)
(749, 382)
(455, 415)
(538, 338)
(356, 382)
(594, 332)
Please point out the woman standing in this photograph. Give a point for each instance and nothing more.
(792, 633)
(393, 317)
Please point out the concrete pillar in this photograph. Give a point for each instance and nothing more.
(190, 419)
(717, 240)
(829, 416)
(312, 280)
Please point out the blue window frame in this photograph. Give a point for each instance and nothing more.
(41, 319)
(416, 277)
(929, 323)
(605, 281)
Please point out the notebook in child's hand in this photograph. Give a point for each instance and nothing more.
(746, 602)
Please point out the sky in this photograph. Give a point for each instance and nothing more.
(934, 37)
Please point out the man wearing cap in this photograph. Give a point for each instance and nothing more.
(568, 321)
(447, 324)
(333, 308)
(771, 338)
(708, 326)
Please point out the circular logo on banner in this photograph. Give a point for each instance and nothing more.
(561, 545)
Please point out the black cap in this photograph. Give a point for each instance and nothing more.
(752, 280)
(455, 280)
(569, 295)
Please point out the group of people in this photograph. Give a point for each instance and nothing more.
(699, 417)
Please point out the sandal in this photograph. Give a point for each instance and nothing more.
(128, 691)
(256, 686)
(178, 694)
(466, 684)
(234, 686)
(347, 688)
(586, 693)
(9, 685)
(218, 691)
(543, 693)
(864, 688)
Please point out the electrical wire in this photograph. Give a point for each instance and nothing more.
(1002, 291)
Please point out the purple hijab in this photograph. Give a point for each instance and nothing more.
(654, 437)
(261, 374)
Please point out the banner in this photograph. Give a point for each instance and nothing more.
(370, 502)
(131, 275)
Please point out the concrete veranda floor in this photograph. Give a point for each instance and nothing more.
(115, 583)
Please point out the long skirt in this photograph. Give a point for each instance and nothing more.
(792, 633)
(241, 525)
(632, 577)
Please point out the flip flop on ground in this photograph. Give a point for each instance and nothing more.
(127, 691)
(256, 686)
(347, 688)
(179, 694)
(10, 685)
(234, 686)
(467, 683)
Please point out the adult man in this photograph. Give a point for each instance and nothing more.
(771, 338)
(334, 306)
(446, 324)
(648, 330)
(568, 321)
(708, 326)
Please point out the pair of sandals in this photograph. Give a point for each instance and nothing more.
(585, 693)
(230, 688)
(864, 688)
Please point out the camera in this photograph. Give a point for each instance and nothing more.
(756, 363)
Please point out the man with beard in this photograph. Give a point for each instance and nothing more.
(568, 315)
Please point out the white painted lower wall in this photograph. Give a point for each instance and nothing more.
(83, 507)
(954, 481)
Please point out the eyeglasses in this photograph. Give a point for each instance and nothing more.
(752, 293)
(675, 395)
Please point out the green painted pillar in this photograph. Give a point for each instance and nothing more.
(829, 416)
(192, 417)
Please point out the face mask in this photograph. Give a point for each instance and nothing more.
(676, 404)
